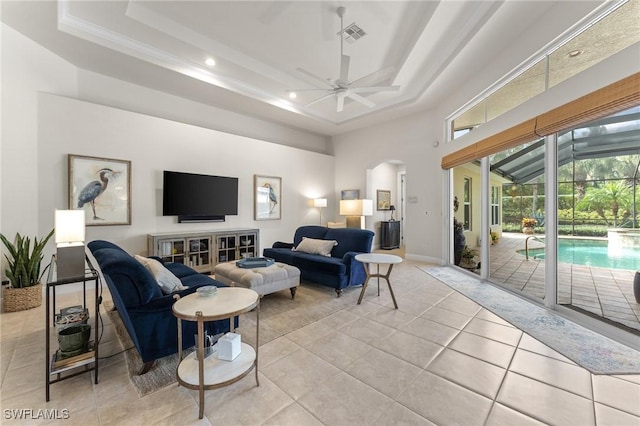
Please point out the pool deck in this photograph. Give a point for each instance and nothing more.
(604, 292)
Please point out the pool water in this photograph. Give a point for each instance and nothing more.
(592, 253)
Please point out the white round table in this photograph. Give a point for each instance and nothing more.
(378, 259)
(198, 372)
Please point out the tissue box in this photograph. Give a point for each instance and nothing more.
(229, 346)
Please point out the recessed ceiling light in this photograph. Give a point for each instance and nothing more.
(210, 62)
(574, 53)
(293, 95)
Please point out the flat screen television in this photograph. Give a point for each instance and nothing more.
(196, 197)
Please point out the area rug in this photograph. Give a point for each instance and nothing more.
(279, 315)
(595, 352)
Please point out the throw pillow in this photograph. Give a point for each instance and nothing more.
(314, 246)
(166, 280)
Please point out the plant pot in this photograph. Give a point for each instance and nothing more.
(527, 230)
(467, 263)
(636, 287)
(74, 338)
(21, 299)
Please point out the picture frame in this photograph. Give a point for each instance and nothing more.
(102, 188)
(350, 194)
(383, 199)
(267, 197)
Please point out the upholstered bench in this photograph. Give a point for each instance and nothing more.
(276, 277)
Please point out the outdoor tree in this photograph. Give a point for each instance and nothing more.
(612, 195)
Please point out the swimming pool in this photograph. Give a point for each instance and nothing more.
(592, 253)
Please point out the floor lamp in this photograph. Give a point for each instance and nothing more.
(355, 211)
(320, 203)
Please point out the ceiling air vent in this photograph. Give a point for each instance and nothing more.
(352, 33)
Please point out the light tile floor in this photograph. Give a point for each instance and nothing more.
(439, 359)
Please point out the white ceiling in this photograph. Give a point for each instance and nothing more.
(432, 48)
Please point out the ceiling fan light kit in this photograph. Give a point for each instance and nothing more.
(341, 88)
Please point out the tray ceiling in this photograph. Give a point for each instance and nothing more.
(429, 47)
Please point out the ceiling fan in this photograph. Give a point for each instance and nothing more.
(341, 87)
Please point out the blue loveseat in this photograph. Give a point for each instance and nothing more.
(340, 270)
(144, 309)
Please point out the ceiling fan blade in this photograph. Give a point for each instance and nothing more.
(340, 105)
(316, 78)
(308, 90)
(361, 99)
(366, 89)
(373, 78)
(344, 67)
(321, 98)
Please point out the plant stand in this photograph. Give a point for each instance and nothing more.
(58, 369)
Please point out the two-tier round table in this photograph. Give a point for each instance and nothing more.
(378, 259)
(201, 373)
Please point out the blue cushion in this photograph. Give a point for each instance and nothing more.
(311, 231)
(358, 240)
(199, 280)
(283, 255)
(314, 262)
(180, 270)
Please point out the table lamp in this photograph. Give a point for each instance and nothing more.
(356, 210)
(70, 254)
(393, 209)
(320, 203)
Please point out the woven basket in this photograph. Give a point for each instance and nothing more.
(20, 299)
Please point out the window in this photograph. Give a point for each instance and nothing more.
(606, 31)
(466, 203)
(495, 205)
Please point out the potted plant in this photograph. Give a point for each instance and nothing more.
(528, 223)
(23, 260)
(494, 237)
(459, 240)
(468, 256)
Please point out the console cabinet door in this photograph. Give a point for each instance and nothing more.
(199, 253)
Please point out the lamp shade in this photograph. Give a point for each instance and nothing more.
(356, 207)
(69, 226)
(320, 202)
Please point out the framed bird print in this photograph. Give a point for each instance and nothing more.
(102, 188)
(267, 197)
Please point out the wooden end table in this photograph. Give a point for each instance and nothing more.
(378, 259)
(200, 373)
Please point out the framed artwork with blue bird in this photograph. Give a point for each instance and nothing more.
(102, 188)
(267, 198)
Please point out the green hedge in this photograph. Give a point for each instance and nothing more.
(578, 230)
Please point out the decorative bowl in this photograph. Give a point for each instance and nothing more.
(207, 291)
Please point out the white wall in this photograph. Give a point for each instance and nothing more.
(70, 126)
(409, 140)
(38, 131)
(105, 90)
(26, 69)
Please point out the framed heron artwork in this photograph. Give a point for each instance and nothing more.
(267, 197)
(102, 188)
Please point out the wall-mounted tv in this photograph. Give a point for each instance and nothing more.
(196, 197)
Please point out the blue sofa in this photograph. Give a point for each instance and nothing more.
(340, 270)
(144, 309)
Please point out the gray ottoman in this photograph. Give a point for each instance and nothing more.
(276, 277)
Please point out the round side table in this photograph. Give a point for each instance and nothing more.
(200, 373)
(378, 259)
